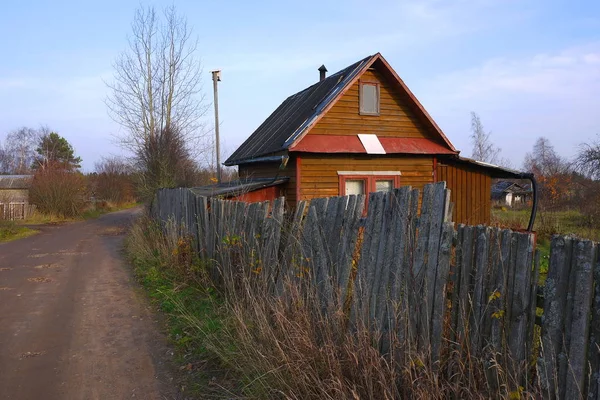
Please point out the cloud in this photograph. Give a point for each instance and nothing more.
(546, 94)
(570, 73)
(14, 83)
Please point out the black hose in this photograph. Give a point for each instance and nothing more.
(534, 188)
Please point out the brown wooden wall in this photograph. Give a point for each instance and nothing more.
(270, 170)
(14, 195)
(470, 192)
(396, 117)
(319, 177)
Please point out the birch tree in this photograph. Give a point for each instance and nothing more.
(19, 150)
(483, 148)
(157, 90)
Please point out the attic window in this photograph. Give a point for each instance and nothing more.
(369, 98)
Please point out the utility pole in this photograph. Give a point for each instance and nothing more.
(216, 77)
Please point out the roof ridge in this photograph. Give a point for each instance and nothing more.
(291, 115)
(329, 77)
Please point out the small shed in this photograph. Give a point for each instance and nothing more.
(248, 190)
(14, 196)
(511, 194)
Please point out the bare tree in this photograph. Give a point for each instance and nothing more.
(553, 173)
(113, 165)
(113, 180)
(544, 160)
(157, 81)
(587, 160)
(156, 96)
(5, 161)
(19, 150)
(483, 148)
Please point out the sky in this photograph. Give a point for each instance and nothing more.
(529, 68)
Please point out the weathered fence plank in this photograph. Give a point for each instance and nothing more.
(349, 238)
(593, 386)
(582, 300)
(437, 218)
(465, 285)
(479, 302)
(519, 299)
(555, 298)
(439, 301)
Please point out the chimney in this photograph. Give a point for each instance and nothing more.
(322, 71)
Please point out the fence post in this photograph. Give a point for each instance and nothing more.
(594, 345)
(555, 297)
(580, 323)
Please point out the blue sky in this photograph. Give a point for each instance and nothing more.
(529, 68)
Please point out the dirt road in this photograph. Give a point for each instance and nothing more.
(72, 324)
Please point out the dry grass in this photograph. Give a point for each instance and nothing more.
(10, 231)
(291, 347)
(548, 223)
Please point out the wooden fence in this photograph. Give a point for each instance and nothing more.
(14, 211)
(413, 277)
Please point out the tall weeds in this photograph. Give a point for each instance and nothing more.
(285, 343)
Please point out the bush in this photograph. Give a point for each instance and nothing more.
(589, 207)
(8, 228)
(117, 189)
(58, 192)
(113, 181)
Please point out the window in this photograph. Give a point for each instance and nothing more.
(369, 98)
(365, 182)
(384, 185)
(355, 186)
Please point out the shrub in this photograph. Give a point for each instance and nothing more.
(113, 181)
(8, 228)
(58, 192)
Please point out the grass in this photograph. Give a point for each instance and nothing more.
(548, 223)
(10, 231)
(105, 207)
(38, 218)
(13, 230)
(175, 281)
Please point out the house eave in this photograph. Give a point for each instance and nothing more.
(255, 160)
(495, 171)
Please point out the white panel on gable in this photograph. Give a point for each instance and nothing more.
(371, 143)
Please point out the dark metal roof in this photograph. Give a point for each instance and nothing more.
(495, 171)
(294, 115)
(513, 187)
(15, 181)
(237, 187)
(500, 187)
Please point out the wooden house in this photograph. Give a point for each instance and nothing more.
(511, 193)
(357, 131)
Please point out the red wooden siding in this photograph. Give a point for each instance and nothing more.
(269, 193)
(271, 170)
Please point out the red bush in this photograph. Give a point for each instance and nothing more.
(58, 192)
